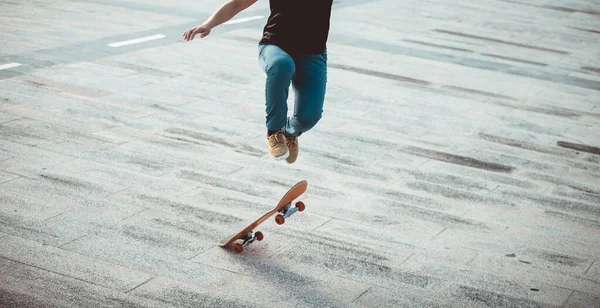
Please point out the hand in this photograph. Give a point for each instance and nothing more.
(189, 34)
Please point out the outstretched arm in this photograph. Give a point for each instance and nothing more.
(223, 14)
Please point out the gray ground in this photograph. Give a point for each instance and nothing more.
(457, 163)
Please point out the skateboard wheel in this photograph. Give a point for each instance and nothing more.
(300, 205)
(238, 248)
(259, 236)
(279, 219)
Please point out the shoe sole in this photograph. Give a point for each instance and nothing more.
(282, 157)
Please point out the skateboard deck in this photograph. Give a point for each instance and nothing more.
(283, 209)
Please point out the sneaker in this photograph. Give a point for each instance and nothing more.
(277, 147)
(292, 145)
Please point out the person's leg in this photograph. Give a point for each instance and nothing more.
(280, 69)
(309, 85)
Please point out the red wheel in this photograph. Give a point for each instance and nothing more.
(279, 219)
(238, 248)
(259, 236)
(300, 205)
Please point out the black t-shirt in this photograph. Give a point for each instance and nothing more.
(298, 26)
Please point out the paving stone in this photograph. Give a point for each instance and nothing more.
(30, 206)
(359, 262)
(579, 299)
(185, 153)
(29, 286)
(6, 263)
(72, 265)
(518, 269)
(167, 232)
(396, 298)
(48, 136)
(193, 207)
(33, 229)
(7, 117)
(109, 178)
(570, 243)
(594, 270)
(304, 290)
(61, 85)
(123, 157)
(181, 294)
(60, 210)
(480, 285)
(81, 114)
(80, 221)
(60, 187)
(234, 294)
(149, 258)
(577, 208)
(5, 176)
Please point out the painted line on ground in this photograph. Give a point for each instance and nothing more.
(9, 65)
(137, 40)
(241, 20)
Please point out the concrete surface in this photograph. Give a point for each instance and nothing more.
(457, 163)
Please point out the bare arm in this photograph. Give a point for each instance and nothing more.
(223, 14)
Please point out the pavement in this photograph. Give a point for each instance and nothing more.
(457, 163)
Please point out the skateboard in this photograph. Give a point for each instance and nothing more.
(283, 210)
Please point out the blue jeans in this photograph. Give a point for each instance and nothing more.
(308, 77)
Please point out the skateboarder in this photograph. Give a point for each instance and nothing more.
(293, 51)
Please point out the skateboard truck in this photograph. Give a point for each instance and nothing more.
(248, 239)
(287, 211)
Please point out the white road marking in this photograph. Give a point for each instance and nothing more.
(9, 65)
(241, 20)
(138, 40)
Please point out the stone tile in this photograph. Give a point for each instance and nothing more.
(549, 260)
(28, 160)
(24, 205)
(593, 272)
(183, 294)
(191, 208)
(300, 288)
(7, 117)
(24, 131)
(73, 210)
(396, 298)
(133, 158)
(34, 229)
(5, 176)
(82, 220)
(29, 286)
(545, 202)
(384, 215)
(253, 259)
(560, 241)
(579, 299)
(60, 86)
(302, 292)
(51, 136)
(109, 178)
(475, 285)
(169, 233)
(60, 188)
(170, 92)
(123, 251)
(6, 263)
(516, 269)
(72, 265)
(357, 260)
